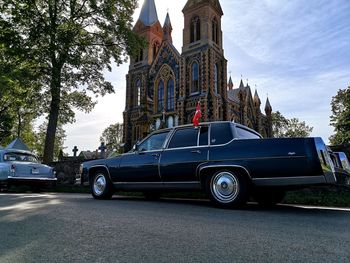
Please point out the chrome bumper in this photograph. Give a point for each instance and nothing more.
(325, 161)
(32, 179)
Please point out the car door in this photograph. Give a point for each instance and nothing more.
(187, 148)
(142, 164)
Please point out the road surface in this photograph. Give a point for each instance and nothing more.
(76, 228)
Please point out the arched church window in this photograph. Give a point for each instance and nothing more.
(170, 122)
(195, 29)
(171, 95)
(138, 92)
(155, 49)
(215, 31)
(158, 122)
(195, 78)
(139, 56)
(160, 105)
(176, 120)
(216, 74)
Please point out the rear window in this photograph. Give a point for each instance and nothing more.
(203, 136)
(221, 133)
(245, 134)
(20, 157)
(184, 138)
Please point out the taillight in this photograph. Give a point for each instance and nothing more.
(13, 168)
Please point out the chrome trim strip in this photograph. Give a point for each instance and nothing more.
(290, 181)
(222, 165)
(157, 185)
(185, 148)
(31, 178)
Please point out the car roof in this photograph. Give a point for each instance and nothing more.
(207, 123)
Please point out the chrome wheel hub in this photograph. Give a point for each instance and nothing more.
(99, 184)
(224, 187)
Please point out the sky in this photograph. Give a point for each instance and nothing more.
(295, 52)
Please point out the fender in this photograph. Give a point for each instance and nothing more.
(228, 164)
(100, 166)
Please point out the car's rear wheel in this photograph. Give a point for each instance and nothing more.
(227, 189)
(268, 197)
(101, 185)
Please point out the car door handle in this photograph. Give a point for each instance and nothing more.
(155, 155)
(196, 151)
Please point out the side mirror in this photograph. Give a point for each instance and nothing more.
(135, 148)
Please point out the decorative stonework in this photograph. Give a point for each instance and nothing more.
(162, 62)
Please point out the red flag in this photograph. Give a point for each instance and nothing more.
(197, 115)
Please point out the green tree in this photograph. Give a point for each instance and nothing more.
(19, 93)
(74, 41)
(289, 128)
(112, 136)
(40, 140)
(340, 118)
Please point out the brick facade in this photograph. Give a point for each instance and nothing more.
(164, 86)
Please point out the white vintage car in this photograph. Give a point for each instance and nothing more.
(19, 166)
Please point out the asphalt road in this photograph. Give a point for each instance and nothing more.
(76, 228)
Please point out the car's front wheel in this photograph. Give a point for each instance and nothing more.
(227, 189)
(101, 185)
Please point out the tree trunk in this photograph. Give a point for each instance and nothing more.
(55, 87)
(19, 127)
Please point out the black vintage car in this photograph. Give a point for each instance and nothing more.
(228, 161)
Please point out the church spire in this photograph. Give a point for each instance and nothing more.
(167, 29)
(268, 108)
(148, 15)
(230, 84)
(256, 98)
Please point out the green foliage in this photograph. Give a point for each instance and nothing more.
(19, 92)
(340, 118)
(40, 140)
(112, 136)
(289, 128)
(73, 41)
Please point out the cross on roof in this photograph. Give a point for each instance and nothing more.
(102, 148)
(75, 150)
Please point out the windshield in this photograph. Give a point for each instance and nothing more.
(20, 157)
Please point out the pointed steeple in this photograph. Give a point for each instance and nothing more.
(167, 29)
(257, 100)
(241, 85)
(230, 84)
(148, 15)
(268, 108)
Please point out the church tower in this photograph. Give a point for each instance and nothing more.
(204, 67)
(138, 103)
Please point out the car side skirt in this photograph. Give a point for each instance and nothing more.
(290, 181)
(144, 186)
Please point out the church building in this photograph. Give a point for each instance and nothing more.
(164, 85)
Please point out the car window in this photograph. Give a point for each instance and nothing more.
(154, 142)
(184, 138)
(203, 136)
(221, 133)
(245, 134)
(19, 157)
